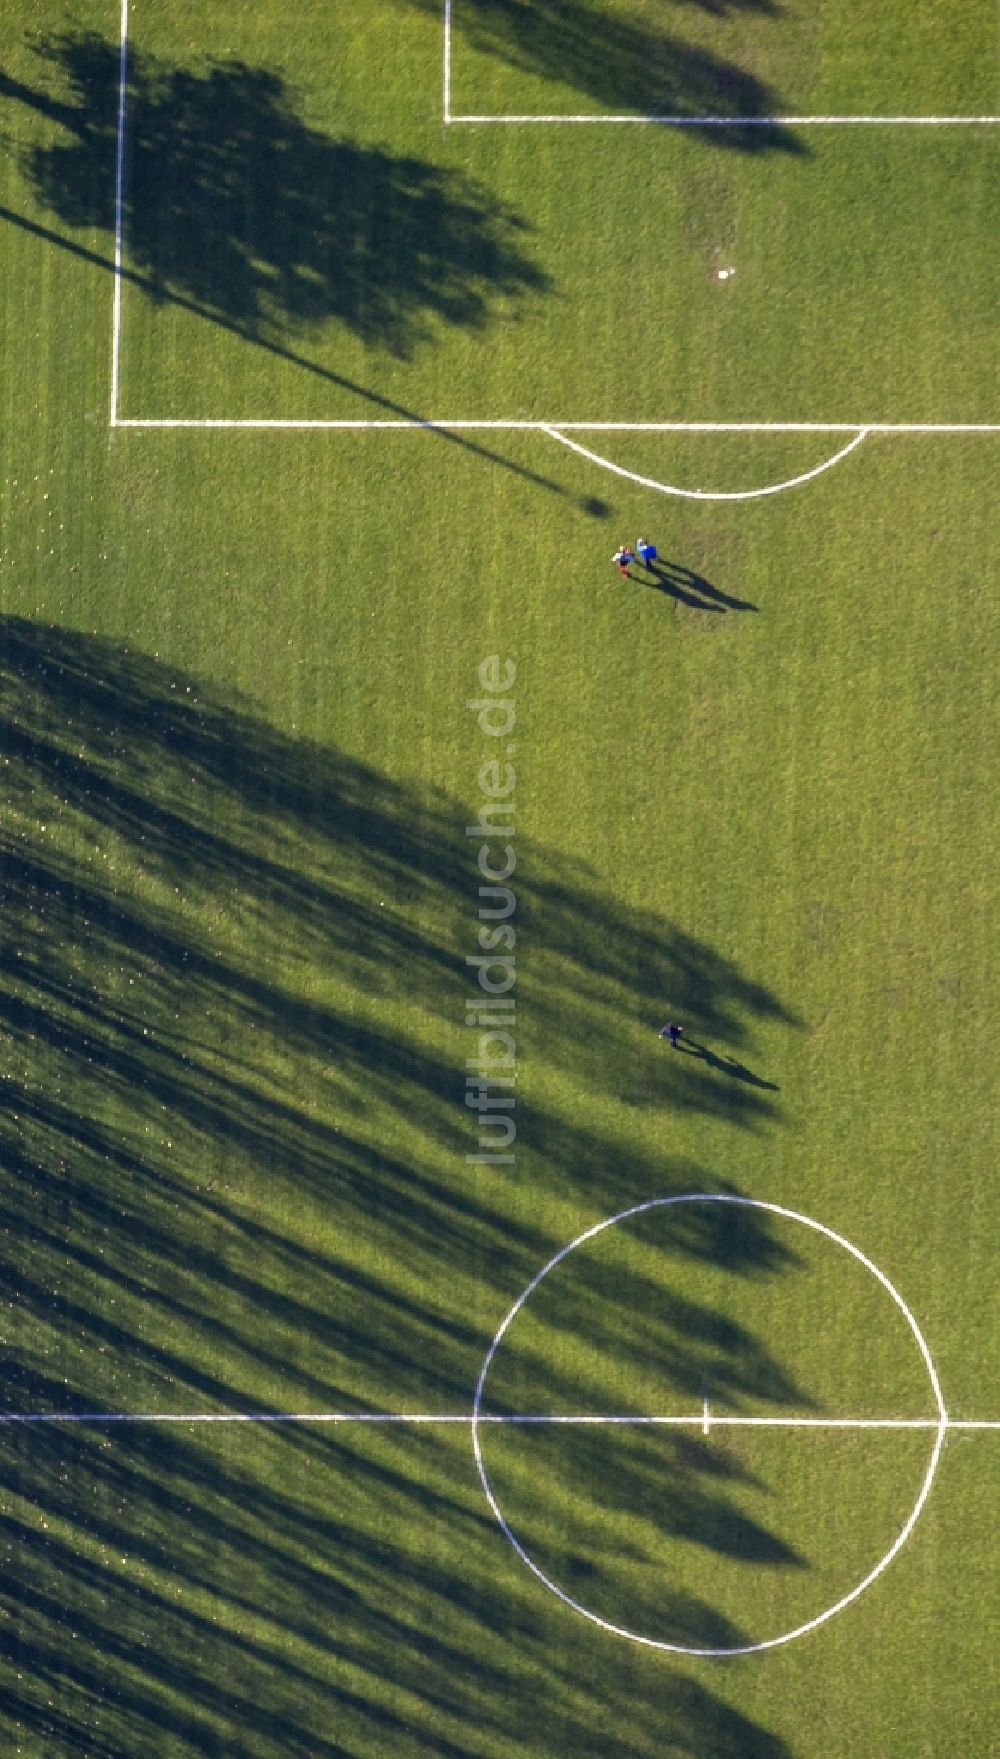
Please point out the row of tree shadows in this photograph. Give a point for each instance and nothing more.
(179, 1089)
(227, 1186)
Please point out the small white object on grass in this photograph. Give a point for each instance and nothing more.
(724, 274)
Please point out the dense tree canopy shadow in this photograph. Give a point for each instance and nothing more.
(221, 217)
(233, 1178)
(624, 62)
(232, 201)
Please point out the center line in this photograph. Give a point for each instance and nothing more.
(704, 1419)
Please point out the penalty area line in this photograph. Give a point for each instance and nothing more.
(552, 428)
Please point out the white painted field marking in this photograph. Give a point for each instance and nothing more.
(698, 1420)
(691, 1420)
(648, 482)
(116, 319)
(554, 427)
(447, 60)
(939, 1426)
(445, 425)
(708, 121)
(741, 121)
(102, 1417)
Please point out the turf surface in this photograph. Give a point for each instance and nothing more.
(755, 793)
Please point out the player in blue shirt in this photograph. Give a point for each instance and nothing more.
(646, 552)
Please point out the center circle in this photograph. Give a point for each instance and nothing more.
(939, 1425)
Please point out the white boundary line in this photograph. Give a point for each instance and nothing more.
(648, 482)
(940, 1426)
(116, 322)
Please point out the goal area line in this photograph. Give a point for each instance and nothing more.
(450, 116)
(556, 118)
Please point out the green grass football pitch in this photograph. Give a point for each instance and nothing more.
(755, 793)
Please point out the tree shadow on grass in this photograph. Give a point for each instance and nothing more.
(235, 209)
(233, 1146)
(217, 940)
(232, 200)
(620, 61)
(168, 1594)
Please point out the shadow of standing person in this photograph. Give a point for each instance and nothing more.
(679, 581)
(727, 1066)
(656, 576)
